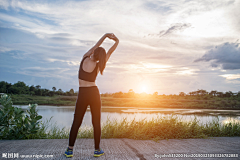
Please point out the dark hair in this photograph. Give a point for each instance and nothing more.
(100, 55)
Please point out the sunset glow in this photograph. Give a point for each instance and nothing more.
(144, 88)
(155, 66)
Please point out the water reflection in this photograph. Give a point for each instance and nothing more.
(63, 115)
(230, 120)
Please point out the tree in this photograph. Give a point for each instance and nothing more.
(54, 89)
(21, 88)
(13, 90)
(3, 87)
(38, 87)
(20, 84)
(194, 93)
(71, 92)
(181, 94)
(213, 93)
(38, 92)
(59, 92)
(32, 88)
(118, 95)
(219, 94)
(228, 94)
(51, 93)
(130, 90)
(130, 93)
(203, 92)
(238, 94)
(231, 93)
(8, 85)
(45, 92)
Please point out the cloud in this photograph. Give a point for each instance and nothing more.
(178, 27)
(231, 76)
(158, 6)
(160, 57)
(226, 55)
(53, 47)
(44, 72)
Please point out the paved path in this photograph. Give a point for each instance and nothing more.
(121, 149)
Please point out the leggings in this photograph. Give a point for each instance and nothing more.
(87, 96)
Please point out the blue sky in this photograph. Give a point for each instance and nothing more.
(165, 46)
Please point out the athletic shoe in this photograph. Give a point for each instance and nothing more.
(98, 153)
(69, 153)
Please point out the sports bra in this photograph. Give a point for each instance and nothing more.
(87, 76)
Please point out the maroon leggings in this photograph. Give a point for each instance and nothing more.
(87, 96)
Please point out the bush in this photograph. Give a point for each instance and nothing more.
(15, 124)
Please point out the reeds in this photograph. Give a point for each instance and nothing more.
(171, 127)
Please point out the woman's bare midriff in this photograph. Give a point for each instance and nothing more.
(83, 83)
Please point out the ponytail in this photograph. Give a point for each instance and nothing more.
(100, 55)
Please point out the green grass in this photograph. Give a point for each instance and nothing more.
(180, 102)
(156, 129)
(44, 100)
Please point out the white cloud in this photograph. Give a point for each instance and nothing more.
(231, 76)
(5, 49)
(186, 71)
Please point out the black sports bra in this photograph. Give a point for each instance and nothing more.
(87, 76)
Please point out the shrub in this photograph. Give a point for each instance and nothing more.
(15, 124)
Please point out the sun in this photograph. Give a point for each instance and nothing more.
(143, 88)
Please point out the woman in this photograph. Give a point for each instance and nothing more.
(92, 62)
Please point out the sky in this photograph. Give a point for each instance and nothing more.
(164, 46)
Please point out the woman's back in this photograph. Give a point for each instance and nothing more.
(88, 72)
(88, 65)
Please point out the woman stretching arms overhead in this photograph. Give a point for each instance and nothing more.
(92, 62)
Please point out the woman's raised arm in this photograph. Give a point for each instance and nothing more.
(110, 51)
(100, 41)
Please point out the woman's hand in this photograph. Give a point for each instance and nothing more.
(112, 36)
(109, 35)
(115, 38)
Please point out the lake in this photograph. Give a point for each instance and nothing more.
(63, 115)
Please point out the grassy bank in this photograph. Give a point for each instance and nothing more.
(190, 103)
(155, 129)
(19, 125)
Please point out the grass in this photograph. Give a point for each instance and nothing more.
(155, 129)
(43, 100)
(182, 102)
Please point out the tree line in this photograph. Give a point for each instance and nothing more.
(200, 94)
(22, 88)
(214, 93)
